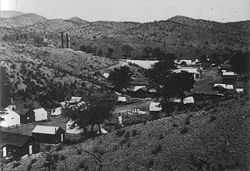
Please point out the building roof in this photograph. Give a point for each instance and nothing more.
(40, 110)
(7, 111)
(13, 139)
(44, 129)
(229, 73)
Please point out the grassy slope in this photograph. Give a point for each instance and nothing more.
(37, 70)
(213, 143)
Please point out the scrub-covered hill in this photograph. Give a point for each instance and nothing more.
(183, 36)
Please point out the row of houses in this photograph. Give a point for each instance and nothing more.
(16, 145)
(10, 118)
(229, 81)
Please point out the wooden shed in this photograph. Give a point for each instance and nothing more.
(16, 145)
(48, 134)
(35, 115)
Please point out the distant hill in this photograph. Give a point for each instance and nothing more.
(21, 20)
(183, 36)
(9, 14)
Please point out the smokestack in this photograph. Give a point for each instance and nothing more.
(62, 39)
(67, 40)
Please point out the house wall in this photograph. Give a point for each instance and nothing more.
(48, 138)
(18, 152)
(10, 120)
(28, 118)
(41, 116)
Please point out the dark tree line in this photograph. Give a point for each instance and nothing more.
(120, 77)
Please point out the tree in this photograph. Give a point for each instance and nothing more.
(240, 62)
(97, 109)
(161, 70)
(127, 50)
(4, 88)
(120, 77)
(176, 84)
(110, 52)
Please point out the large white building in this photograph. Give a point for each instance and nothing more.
(9, 118)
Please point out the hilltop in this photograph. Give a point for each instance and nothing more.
(21, 20)
(9, 14)
(183, 36)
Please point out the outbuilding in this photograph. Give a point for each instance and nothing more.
(16, 145)
(56, 111)
(35, 115)
(48, 134)
(9, 118)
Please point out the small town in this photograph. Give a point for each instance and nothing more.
(101, 95)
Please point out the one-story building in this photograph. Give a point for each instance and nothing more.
(196, 72)
(9, 118)
(16, 145)
(35, 115)
(48, 134)
(229, 77)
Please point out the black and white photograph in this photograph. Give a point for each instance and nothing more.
(124, 85)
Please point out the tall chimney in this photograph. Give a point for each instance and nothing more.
(62, 39)
(67, 40)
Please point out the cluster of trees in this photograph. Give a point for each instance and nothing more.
(161, 69)
(170, 84)
(120, 77)
(97, 51)
(155, 53)
(4, 88)
(98, 108)
(240, 62)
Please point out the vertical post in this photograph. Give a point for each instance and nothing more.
(62, 41)
(67, 40)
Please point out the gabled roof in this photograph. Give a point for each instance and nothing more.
(40, 110)
(13, 139)
(44, 129)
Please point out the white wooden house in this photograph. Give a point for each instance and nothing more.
(56, 111)
(40, 114)
(9, 118)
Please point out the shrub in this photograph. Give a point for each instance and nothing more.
(99, 149)
(82, 165)
(59, 147)
(212, 118)
(175, 125)
(161, 136)
(127, 135)
(123, 141)
(33, 161)
(157, 149)
(16, 164)
(62, 157)
(134, 132)
(150, 163)
(184, 130)
(120, 132)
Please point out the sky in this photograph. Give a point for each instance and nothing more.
(134, 10)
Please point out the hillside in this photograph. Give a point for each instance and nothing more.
(183, 36)
(46, 75)
(215, 139)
